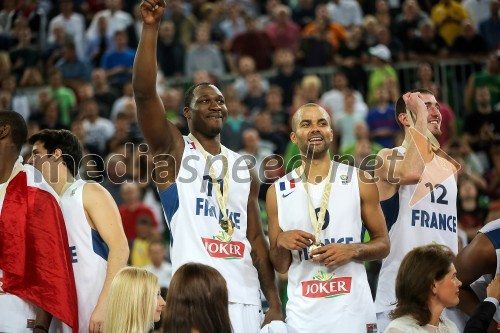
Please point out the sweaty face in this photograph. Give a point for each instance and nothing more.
(434, 116)
(207, 112)
(313, 134)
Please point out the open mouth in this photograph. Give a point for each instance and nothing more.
(316, 140)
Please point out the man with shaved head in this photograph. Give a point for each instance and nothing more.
(317, 214)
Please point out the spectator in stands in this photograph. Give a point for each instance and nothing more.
(172, 102)
(392, 43)
(492, 176)
(269, 139)
(255, 152)
(345, 12)
(209, 17)
(204, 55)
(246, 66)
(64, 95)
(489, 77)
(98, 130)
(470, 214)
(104, 94)
(234, 24)
(132, 209)
(253, 43)
(73, 70)
(382, 13)
(134, 30)
(185, 23)
(50, 117)
(380, 119)
(381, 57)
(170, 52)
(159, 266)
(53, 51)
(283, 32)
(279, 114)
(483, 124)
(407, 23)
(425, 77)
(363, 151)
(478, 11)
(334, 99)
(25, 59)
(116, 19)
(346, 122)
(288, 75)
(139, 245)
(35, 18)
(469, 44)
(255, 99)
(447, 15)
(122, 133)
(73, 24)
(266, 15)
(118, 62)
(303, 13)
(316, 48)
(335, 32)
(231, 134)
(100, 43)
(427, 45)
(489, 28)
(19, 101)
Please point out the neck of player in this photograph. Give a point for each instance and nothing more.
(61, 180)
(7, 164)
(210, 144)
(317, 168)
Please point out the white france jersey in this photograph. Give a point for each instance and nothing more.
(322, 299)
(89, 253)
(433, 219)
(193, 214)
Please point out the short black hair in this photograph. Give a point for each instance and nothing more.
(19, 130)
(401, 105)
(188, 97)
(64, 140)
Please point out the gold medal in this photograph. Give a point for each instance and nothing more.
(313, 247)
(227, 225)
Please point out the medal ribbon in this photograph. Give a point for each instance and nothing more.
(317, 222)
(222, 198)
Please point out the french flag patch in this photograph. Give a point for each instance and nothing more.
(284, 186)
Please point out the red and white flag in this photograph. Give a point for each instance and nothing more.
(34, 250)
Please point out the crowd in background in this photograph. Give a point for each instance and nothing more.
(68, 65)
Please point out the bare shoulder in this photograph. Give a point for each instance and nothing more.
(94, 192)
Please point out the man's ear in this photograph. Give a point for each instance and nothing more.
(293, 137)
(4, 131)
(187, 112)
(57, 154)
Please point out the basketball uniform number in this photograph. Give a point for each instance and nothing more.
(441, 199)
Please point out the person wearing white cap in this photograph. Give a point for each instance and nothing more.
(382, 71)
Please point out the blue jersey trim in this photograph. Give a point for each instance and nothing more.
(99, 246)
(494, 237)
(390, 208)
(170, 202)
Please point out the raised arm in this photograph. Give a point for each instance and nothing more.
(161, 135)
(260, 253)
(397, 169)
(104, 216)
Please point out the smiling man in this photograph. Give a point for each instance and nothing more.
(418, 192)
(316, 217)
(208, 193)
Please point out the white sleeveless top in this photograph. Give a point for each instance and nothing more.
(433, 219)
(89, 253)
(193, 214)
(322, 299)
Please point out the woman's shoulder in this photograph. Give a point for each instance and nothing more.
(405, 324)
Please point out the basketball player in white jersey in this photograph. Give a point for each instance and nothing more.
(97, 242)
(328, 289)
(213, 214)
(418, 192)
(481, 258)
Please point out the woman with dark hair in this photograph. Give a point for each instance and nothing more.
(425, 285)
(197, 301)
